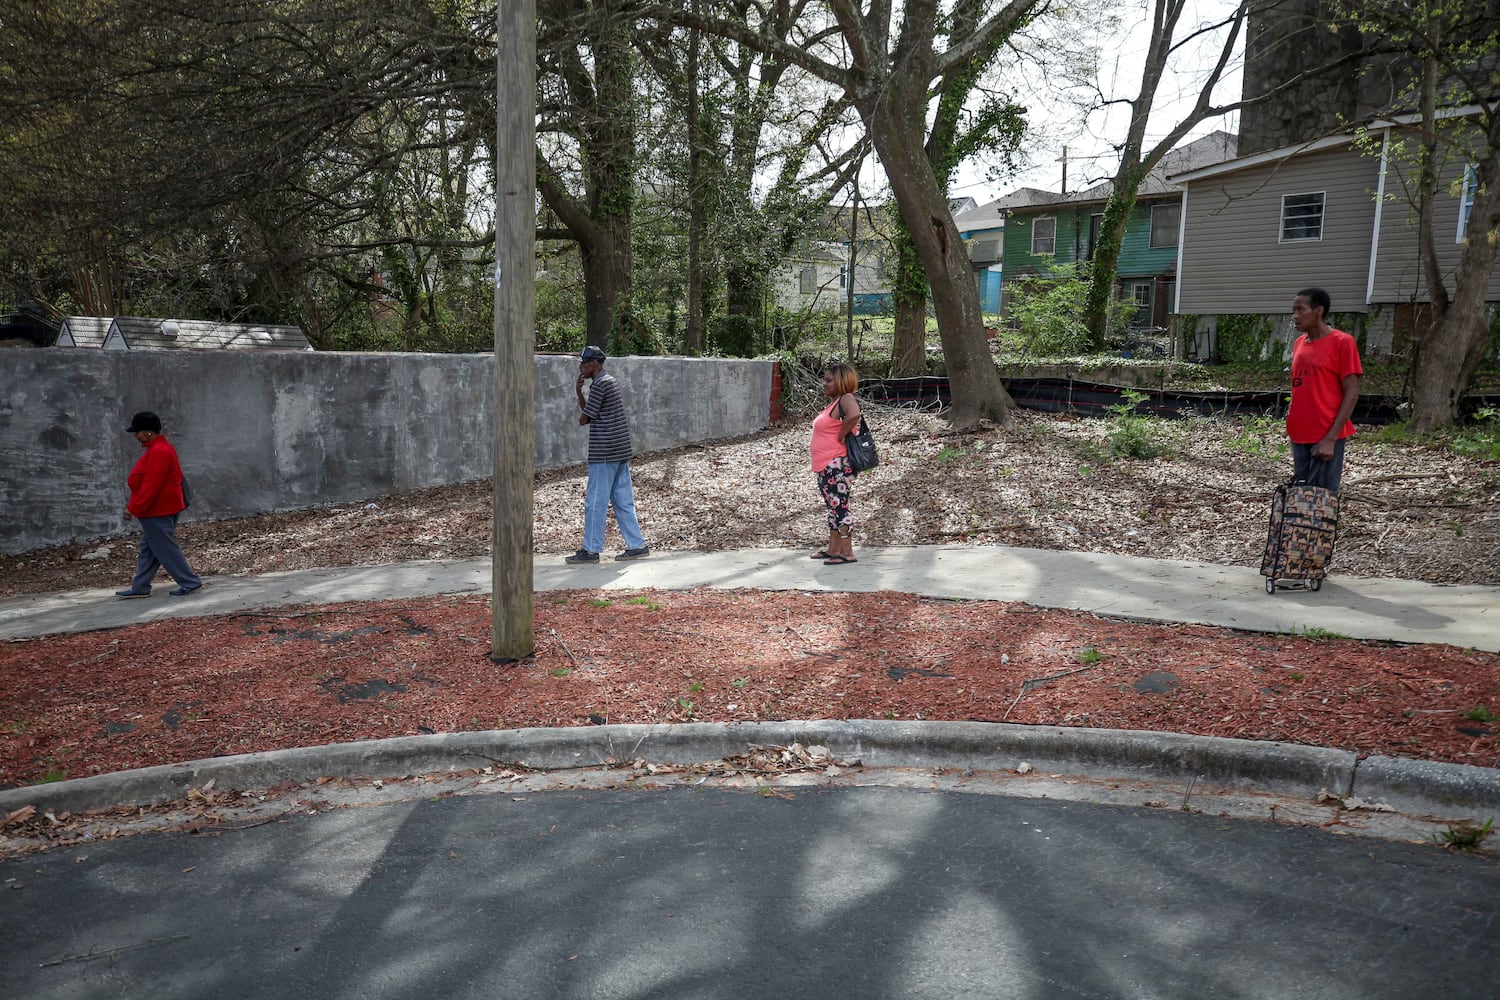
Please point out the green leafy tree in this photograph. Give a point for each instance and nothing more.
(746, 143)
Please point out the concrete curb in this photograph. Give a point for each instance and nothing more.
(1424, 786)
(1282, 768)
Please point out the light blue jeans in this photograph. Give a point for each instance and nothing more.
(609, 485)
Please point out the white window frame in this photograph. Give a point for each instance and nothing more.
(1053, 238)
(1171, 238)
(844, 277)
(1149, 305)
(1468, 188)
(1322, 217)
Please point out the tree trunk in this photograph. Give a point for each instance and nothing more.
(909, 349)
(1450, 353)
(606, 281)
(604, 106)
(973, 379)
(1449, 357)
(909, 296)
(1106, 257)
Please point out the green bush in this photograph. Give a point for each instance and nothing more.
(1049, 311)
(1246, 339)
(630, 335)
(734, 336)
(1131, 434)
(1481, 440)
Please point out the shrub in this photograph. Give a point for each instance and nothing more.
(734, 335)
(1050, 308)
(1131, 434)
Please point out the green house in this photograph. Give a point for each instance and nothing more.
(1064, 229)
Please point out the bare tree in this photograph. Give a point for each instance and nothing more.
(1166, 43)
(586, 174)
(1451, 46)
(885, 66)
(956, 134)
(263, 157)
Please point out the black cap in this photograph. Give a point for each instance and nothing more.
(592, 353)
(144, 421)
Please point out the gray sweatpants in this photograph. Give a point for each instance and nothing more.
(159, 549)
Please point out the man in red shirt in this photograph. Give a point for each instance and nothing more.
(1325, 387)
(155, 500)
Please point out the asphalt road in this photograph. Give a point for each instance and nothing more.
(862, 892)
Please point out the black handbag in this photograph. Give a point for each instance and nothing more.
(860, 446)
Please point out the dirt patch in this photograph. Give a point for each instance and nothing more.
(186, 689)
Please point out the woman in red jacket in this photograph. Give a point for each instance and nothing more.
(155, 500)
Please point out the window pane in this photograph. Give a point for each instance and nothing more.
(1466, 201)
(1043, 235)
(1141, 291)
(1164, 224)
(1302, 216)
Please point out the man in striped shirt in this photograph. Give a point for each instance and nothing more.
(609, 462)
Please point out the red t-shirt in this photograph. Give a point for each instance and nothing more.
(156, 482)
(1319, 368)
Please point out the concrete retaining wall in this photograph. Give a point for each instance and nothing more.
(268, 432)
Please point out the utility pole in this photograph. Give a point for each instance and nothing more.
(696, 335)
(1064, 162)
(511, 599)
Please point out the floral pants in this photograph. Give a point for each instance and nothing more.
(834, 483)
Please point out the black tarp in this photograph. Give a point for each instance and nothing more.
(27, 324)
(1061, 395)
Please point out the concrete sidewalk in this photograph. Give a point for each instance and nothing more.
(1156, 590)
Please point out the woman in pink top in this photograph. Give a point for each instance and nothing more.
(830, 461)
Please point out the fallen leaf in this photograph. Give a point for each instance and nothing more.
(20, 815)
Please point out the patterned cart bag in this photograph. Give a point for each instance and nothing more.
(1304, 524)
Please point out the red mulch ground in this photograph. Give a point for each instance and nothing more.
(180, 690)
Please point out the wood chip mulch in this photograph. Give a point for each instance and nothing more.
(179, 690)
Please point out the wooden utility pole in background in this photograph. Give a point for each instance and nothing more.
(853, 265)
(697, 337)
(515, 338)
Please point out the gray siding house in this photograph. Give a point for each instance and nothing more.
(1326, 213)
